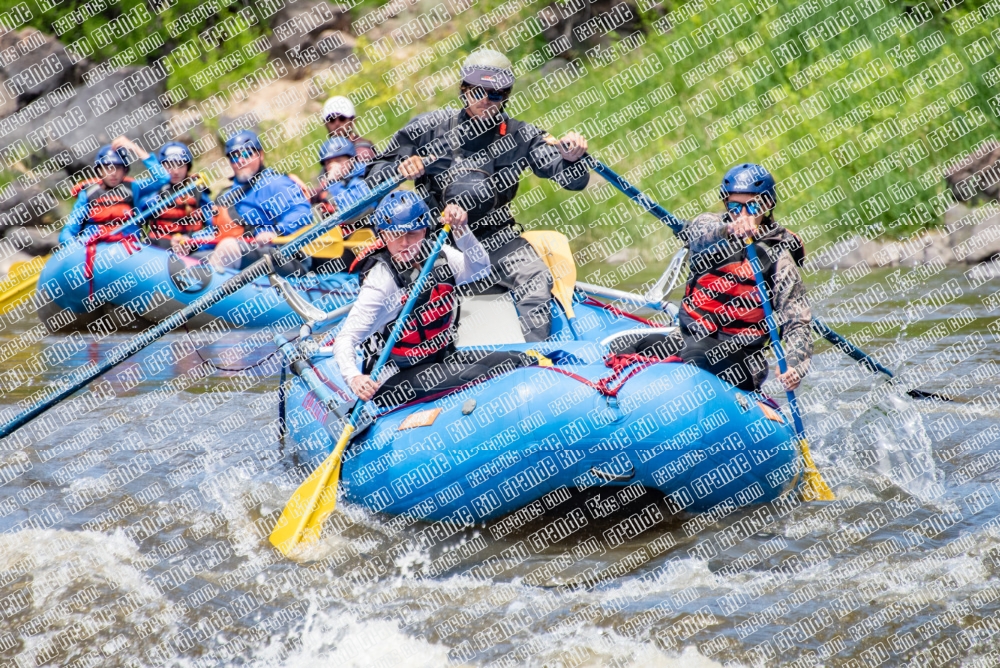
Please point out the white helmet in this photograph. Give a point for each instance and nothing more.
(338, 106)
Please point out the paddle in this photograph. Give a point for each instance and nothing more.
(553, 248)
(820, 490)
(864, 358)
(331, 245)
(22, 277)
(303, 520)
(262, 267)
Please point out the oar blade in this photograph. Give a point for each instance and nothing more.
(312, 502)
(22, 279)
(554, 250)
(814, 487)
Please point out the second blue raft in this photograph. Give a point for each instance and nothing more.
(128, 283)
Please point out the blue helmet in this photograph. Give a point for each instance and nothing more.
(750, 179)
(109, 156)
(334, 147)
(402, 211)
(242, 141)
(175, 151)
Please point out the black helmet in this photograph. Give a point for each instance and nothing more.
(474, 191)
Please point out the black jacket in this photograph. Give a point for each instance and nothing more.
(503, 148)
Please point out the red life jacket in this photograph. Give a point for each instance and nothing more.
(428, 329)
(183, 217)
(107, 206)
(723, 300)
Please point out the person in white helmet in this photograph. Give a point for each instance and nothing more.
(486, 151)
(339, 115)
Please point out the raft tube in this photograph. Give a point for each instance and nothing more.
(136, 284)
(492, 448)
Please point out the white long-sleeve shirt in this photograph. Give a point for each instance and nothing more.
(379, 301)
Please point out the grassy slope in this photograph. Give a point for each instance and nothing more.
(684, 165)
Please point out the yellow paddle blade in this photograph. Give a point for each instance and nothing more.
(553, 248)
(814, 487)
(314, 500)
(360, 238)
(330, 246)
(22, 278)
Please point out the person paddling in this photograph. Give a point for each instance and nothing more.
(488, 150)
(722, 323)
(173, 226)
(338, 116)
(110, 199)
(261, 201)
(402, 220)
(341, 183)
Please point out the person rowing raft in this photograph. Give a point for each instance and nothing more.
(105, 202)
(423, 359)
(484, 144)
(341, 183)
(174, 225)
(261, 201)
(722, 325)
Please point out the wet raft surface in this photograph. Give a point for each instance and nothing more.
(136, 524)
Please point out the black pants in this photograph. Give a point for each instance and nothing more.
(743, 366)
(446, 371)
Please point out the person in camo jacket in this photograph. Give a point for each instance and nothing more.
(722, 324)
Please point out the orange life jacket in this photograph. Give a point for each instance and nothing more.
(183, 217)
(107, 206)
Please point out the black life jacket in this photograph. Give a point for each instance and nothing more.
(498, 150)
(182, 217)
(723, 301)
(429, 327)
(107, 206)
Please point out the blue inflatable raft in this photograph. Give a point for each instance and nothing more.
(130, 282)
(593, 418)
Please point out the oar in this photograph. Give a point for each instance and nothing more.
(553, 248)
(262, 267)
(22, 277)
(867, 360)
(331, 245)
(316, 498)
(627, 189)
(814, 480)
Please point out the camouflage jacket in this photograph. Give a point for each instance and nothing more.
(790, 304)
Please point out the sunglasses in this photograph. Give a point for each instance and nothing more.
(492, 95)
(334, 119)
(240, 155)
(753, 207)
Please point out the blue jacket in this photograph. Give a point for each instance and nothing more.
(348, 191)
(141, 190)
(268, 202)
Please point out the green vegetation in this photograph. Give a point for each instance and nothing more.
(903, 83)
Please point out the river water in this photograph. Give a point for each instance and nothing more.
(135, 524)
